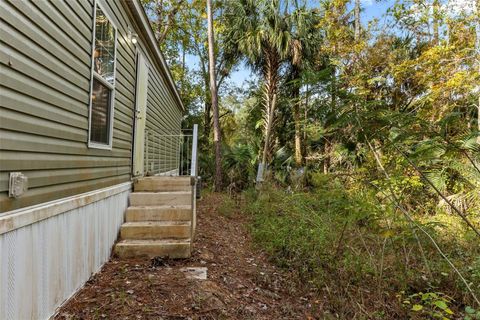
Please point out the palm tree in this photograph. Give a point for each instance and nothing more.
(304, 44)
(259, 31)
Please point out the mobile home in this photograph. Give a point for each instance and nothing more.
(84, 88)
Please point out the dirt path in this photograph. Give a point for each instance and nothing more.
(241, 284)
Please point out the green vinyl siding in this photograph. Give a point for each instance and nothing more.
(161, 120)
(45, 65)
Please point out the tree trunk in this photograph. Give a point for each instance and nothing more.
(271, 86)
(477, 44)
(298, 134)
(333, 106)
(305, 121)
(477, 27)
(326, 160)
(207, 116)
(182, 88)
(357, 20)
(297, 118)
(478, 120)
(159, 8)
(436, 39)
(213, 90)
(207, 112)
(162, 30)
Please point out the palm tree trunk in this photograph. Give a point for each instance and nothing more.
(271, 86)
(305, 118)
(298, 134)
(268, 128)
(295, 78)
(213, 90)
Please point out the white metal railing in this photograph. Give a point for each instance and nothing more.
(194, 163)
(172, 154)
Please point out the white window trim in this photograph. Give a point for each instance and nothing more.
(94, 144)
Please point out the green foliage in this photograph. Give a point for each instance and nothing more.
(471, 314)
(431, 304)
(303, 230)
(227, 207)
(239, 166)
(345, 239)
(366, 107)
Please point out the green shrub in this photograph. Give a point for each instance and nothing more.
(304, 230)
(352, 241)
(430, 304)
(227, 207)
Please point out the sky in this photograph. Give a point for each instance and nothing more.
(370, 9)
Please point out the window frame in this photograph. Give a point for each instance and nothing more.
(95, 76)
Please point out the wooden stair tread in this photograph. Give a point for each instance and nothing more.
(154, 184)
(156, 223)
(161, 207)
(166, 178)
(154, 241)
(159, 213)
(172, 248)
(162, 192)
(159, 218)
(161, 198)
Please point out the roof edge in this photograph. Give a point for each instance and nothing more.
(142, 21)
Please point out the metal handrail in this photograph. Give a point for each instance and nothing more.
(194, 164)
(172, 153)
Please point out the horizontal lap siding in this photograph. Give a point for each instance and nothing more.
(162, 119)
(163, 111)
(45, 61)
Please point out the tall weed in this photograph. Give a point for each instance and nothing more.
(356, 250)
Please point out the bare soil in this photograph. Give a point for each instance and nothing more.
(241, 283)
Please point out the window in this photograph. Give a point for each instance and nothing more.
(103, 81)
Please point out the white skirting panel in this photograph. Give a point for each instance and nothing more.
(44, 263)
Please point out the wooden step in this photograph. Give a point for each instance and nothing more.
(155, 184)
(155, 230)
(172, 248)
(159, 213)
(173, 198)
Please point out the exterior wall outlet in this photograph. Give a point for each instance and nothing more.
(18, 184)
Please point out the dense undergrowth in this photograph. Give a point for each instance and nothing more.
(389, 114)
(364, 259)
